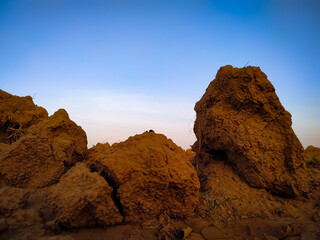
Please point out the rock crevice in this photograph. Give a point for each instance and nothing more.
(111, 182)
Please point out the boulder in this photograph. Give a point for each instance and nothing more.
(16, 115)
(151, 174)
(82, 199)
(241, 120)
(46, 151)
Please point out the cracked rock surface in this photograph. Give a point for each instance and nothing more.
(43, 153)
(82, 199)
(151, 175)
(241, 119)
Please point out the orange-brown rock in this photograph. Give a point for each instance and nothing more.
(190, 154)
(240, 119)
(151, 174)
(12, 199)
(82, 199)
(312, 157)
(17, 114)
(43, 153)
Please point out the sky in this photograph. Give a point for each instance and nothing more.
(122, 67)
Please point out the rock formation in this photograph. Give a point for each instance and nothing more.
(43, 153)
(150, 174)
(17, 114)
(241, 120)
(82, 199)
(312, 157)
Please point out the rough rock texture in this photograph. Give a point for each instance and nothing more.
(13, 209)
(12, 199)
(225, 195)
(240, 119)
(17, 114)
(312, 157)
(151, 175)
(57, 238)
(43, 153)
(83, 199)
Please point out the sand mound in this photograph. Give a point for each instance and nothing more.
(241, 120)
(17, 114)
(82, 198)
(150, 174)
(47, 150)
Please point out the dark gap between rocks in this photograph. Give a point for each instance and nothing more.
(10, 132)
(218, 155)
(114, 186)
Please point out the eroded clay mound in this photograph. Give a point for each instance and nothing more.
(312, 157)
(82, 199)
(241, 119)
(227, 195)
(151, 174)
(17, 114)
(43, 153)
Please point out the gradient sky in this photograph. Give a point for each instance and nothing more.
(125, 66)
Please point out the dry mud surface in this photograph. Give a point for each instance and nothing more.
(248, 176)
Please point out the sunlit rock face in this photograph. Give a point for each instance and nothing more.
(82, 199)
(151, 175)
(241, 119)
(43, 153)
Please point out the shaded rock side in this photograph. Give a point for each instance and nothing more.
(241, 120)
(17, 114)
(226, 196)
(43, 153)
(12, 199)
(82, 199)
(151, 175)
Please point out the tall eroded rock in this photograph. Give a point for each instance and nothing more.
(241, 119)
(43, 153)
(151, 176)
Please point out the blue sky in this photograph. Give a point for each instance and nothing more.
(122, 67)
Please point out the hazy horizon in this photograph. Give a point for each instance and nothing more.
(123, 67)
